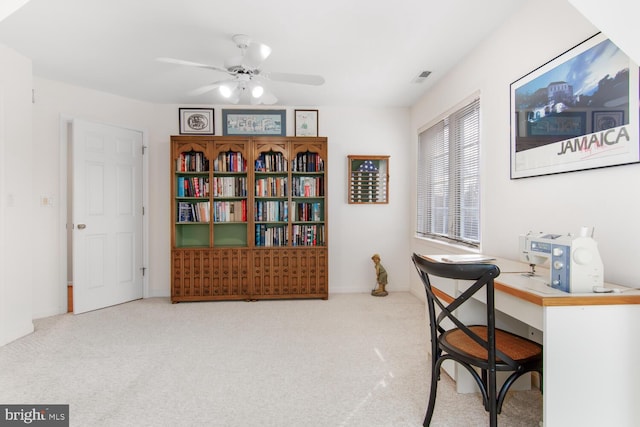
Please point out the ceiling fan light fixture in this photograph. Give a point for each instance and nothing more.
(257, 91)
(227, 89)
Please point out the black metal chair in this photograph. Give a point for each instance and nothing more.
(475, 347)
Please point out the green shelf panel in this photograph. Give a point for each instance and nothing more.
(192, 235)
(230, 234)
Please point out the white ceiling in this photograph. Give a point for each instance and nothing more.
(369, 52)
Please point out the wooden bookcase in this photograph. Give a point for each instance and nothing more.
(249, 218)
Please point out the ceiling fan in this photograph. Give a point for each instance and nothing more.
(247, 79)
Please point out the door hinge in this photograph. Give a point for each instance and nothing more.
(143, 210)
(144, 269)
(144, 147)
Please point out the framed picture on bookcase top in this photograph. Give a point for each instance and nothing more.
(196, 121)
(306, 122)
(254, 122)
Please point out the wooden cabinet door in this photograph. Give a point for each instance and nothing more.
(312, 272)
(272, 273)
(191, 274)
(319, 277)
(209, 274)
(265, 283)
(230, 278)
(290, 273)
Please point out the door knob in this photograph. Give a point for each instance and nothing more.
(82, 226)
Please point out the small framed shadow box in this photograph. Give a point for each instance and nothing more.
(368, 179)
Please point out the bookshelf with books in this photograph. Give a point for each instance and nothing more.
(250, 221)
(290, 253)
(308, 192)
(230, 196)
(191, 186)
(271, 199)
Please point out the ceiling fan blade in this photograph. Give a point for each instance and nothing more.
(255, 54)
(305, 79)
(191, 64)
(204, 89)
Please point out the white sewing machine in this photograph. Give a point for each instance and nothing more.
(574, 262)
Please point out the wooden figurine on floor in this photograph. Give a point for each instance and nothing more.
(381, 278)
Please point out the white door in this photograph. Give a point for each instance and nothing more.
(106, 215)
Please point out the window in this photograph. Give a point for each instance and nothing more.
(449, 178)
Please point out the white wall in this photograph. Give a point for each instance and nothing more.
(612, 20)
(7, 7)
(359, 231)
(605, 198)
(17, 201)
(355, 232)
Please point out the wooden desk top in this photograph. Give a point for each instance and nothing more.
(512, 281)
(541, 294)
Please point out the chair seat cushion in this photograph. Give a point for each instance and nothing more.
(514, 346)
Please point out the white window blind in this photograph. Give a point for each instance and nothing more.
(449, 178)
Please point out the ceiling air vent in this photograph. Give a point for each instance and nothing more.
(421, 77)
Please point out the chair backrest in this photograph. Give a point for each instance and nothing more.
(483, 275)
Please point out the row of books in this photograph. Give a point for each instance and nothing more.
(308, 235)
(271, 235)
(308, 186)
(193, 212)
(271, 162)
(235, 211)
(308, 162)
(307, 211)
(271, 211)
(230, 186)
(230, 161)
(193, 186)
(192, 161)
(304, 235)
(273, 186)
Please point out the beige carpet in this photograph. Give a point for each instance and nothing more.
(354, 360)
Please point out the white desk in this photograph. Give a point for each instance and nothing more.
(591, 346)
